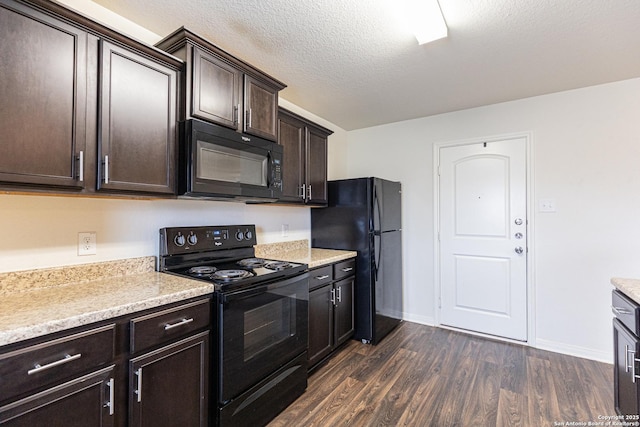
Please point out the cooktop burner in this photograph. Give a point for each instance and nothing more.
(201, 270)
(277, 265)
(252, 262)
(231, 275)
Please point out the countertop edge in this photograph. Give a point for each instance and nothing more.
(629, 287)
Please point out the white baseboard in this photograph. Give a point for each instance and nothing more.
(574, 350)
(423, 320)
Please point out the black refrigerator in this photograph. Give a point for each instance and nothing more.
(364, 215)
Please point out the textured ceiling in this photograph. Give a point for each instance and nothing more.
(352, 63)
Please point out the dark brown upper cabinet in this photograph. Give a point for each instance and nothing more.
(43, 75)
(138, 122)
(304, 167)
(83, 107)
(223, 89)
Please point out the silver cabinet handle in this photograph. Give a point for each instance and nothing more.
(180, 323)
(110, 403)
(325, 276)
(81, 166)
(139, 390)
(236, 115)
(106, 169)
(333, 296)
(620, 310)
(633, 363)
(249, 119)
(67, 358)
(309, 191)
(347, 269)
(340, 294)
(302, 191)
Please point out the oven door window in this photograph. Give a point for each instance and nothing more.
(261, 330)
(220, 163)
(268, 325)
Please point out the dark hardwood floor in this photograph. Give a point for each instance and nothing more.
(425, 376)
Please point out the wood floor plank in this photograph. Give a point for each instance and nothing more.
(512, 409)
(541, 393)
(481, 406)
(424, 376)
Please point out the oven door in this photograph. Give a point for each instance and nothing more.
(260, 330)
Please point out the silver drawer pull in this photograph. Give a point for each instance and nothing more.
(322, 277)
(180, 323)
(67, 358)
(139, 390)
(620, 310)
(347, 269)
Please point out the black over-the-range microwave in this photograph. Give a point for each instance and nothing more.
(219, 163)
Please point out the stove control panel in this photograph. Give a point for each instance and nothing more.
(180, 240)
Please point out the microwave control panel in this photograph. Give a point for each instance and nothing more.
(276, 175)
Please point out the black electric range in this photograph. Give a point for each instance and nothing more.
(222, 255)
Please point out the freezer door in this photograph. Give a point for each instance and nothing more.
(387, 212)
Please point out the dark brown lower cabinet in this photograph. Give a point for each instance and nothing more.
(625, 376)
(330, 318)
(84, 401)
(169, 386)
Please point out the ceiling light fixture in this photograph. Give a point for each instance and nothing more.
(426, 20)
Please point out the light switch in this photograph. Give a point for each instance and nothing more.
(547, 205)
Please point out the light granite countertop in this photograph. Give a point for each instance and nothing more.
(300, 252)
(629, 287)
(39, 302)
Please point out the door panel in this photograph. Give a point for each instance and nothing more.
(483, 226)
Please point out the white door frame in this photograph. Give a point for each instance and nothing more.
(531, 312)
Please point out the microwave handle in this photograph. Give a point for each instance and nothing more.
(268, 169)
(247, 293)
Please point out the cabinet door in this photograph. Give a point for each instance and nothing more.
(42, 98)
(626, 388)
(84, 401)
(169, 386)
(316, 167)
(344, 310)
(138, 123)
(216, 90)
(291, 135)
(260, 109)
(320, 323)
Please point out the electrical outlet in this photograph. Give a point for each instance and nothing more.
(285, 230)
(87, 243)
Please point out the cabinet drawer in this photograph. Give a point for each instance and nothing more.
(157, 328)
(42, 364)
(627, 311)
(344, 269)
(320, 276)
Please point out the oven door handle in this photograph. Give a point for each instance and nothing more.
(260, 289)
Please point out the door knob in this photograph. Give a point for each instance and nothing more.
(519, 236)
(518, 221)
(519, 250)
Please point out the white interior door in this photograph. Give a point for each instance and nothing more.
(483, 237)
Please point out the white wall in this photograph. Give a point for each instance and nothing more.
(586, 156)
(42, 231)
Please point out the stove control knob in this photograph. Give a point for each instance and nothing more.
(192, 239)
(179, 240)
(239, 235)
(248, 235)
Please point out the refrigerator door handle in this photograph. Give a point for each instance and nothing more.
(377, 253)
(376, 210)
